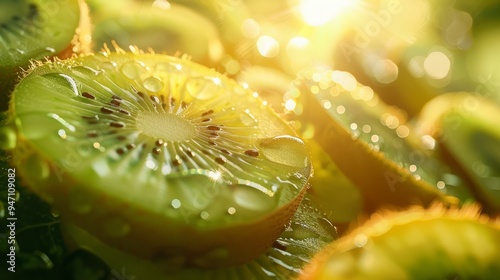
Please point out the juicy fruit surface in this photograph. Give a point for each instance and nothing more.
(116, 136)
(309, 232)
(361, 133)
(444, 244)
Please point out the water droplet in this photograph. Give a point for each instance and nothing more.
(203, 88)
(285, 149)
(252, 199)
(247, 118)
(108, 65)
(36, 126)
(360, 240)
(441, 185)
(116, 227)
(153, 84)
(8, 137)
(131, 69)
(231, 210)
(176, 204)
(80, 201)
(204, 215)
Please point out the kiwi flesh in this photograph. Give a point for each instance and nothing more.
(158, 156)
(33, 30)
(444, 244)
(308, 232)
(372, 144)
(466, 125)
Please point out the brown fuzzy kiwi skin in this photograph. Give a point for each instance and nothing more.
(138, 231)
(80, 44)
(382, 229)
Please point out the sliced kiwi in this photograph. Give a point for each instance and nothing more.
(467, 126)
(167, 28)
(414, 244)
(33, 30)
(158, 156)
(372, 144)
(308, 233)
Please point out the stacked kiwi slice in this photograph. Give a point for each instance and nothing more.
(164, 159)
(158, 25)
(466, 126)
(33, 30)
(444, 244)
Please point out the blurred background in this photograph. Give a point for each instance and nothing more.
(407, 51)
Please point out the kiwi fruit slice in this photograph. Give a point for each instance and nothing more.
(33, 30)
(158, 156)
(372, 144)
(467, 127)
(164, 29)
(444, 244)
(308, 232)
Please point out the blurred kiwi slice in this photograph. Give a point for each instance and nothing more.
(158, 156)
(308, 232)
(158, 25)
(371, 142)
(466, 125)
(452, 244)
(33, 30)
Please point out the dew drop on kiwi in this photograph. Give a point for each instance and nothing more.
(131, 69)
(216, 255)
(153, 84)
(203, 88)
(287, 150)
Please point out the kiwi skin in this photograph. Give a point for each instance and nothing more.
(77, 43)
(444, 244)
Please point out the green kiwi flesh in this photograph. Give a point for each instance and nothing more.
(158, 156)
(371, 143)
(33, 30)
(308, 232)
(467, 126)
(414, 244)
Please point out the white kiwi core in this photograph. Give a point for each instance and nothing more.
(166, 126)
